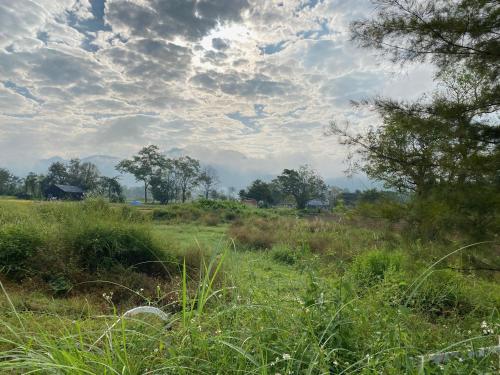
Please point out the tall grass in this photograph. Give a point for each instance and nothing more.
(289, 310)
(66, 247)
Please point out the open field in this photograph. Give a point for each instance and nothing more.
(247, 291)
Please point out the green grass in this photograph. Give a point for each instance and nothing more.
(288, 296)
(189, 235)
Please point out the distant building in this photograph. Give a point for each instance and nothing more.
(317, 204)
(64, 192)
(250, 202)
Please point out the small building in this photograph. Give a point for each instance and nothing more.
(64, 192)
(250, 202)
(317, 204)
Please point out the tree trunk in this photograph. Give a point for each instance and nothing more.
(145, 192)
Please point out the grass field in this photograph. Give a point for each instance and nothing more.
(246, 292)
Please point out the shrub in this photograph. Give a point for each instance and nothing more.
(253, 236)
(319, 242)
(163, 214)
(284, 254)
(17, 245)
(103, 245)
(132, 214)
(59, 284)
(370, 268)
(445, 292)
(392, 211)
(211, 220)
(208, 204)
(231, 216)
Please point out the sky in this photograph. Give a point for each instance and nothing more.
(250, 83)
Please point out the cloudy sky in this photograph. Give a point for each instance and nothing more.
(225, 80)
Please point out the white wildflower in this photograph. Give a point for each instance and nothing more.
(487, 330)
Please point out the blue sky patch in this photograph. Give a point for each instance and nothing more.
(21, 91)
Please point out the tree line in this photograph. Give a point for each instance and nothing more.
(175, 179)
(178, 180)
(85, 175)
(167, 180)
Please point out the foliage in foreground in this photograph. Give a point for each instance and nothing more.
(323, 297)
(62, 245)
(314, 325)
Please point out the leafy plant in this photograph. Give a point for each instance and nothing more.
(17, 244)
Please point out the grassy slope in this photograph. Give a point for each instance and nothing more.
(268, 317)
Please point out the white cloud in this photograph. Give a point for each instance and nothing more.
(258, 78)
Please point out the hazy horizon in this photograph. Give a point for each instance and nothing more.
(230, 174)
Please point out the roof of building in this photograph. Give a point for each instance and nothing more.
(317, 202)
(250, 201)
(70, 189)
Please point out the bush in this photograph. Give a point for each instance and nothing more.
(231, 216)
(445, 292)
(211, 220)
(105, 245)
(132, 214)
(163, 214)
(284, 254)
(208, 204)
(371, 268)
(254, 235)
(385, 209)
(17, 245)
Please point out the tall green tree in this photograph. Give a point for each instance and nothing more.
(9, 183)
(303, 184)
(449, 33)
(110, 187)
(57, 174)
(85, 175)
(164, 183)
(187, 174)
(32, 185)
(260, 191)
(143, 166)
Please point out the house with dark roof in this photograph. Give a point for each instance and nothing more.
(64, 192)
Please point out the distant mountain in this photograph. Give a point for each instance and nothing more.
(42, 165)
(105, 163)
